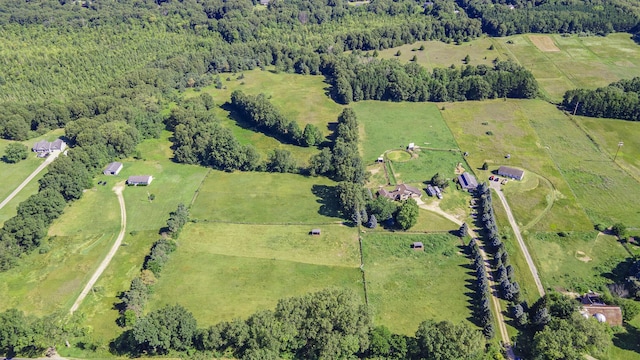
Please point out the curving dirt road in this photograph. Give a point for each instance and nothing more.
(103, 265)
(495, 301)
(523, 247)
(26, 181)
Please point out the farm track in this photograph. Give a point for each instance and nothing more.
(26, 181)
(112, 252)
(523, 246)
(495, 301)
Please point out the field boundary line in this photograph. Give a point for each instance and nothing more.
(266, 224)
(197, 192)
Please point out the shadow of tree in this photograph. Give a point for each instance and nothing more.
(327, 199)
(628, 340)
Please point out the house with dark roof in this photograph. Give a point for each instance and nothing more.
(511, 172)
(45, 147)
(113, 168)
(401, 192)
(467, 181)
(139, 180)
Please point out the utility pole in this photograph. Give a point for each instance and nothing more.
(617, 151)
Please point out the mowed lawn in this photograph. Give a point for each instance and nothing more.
(252, 197)
(406, 287)
(607, 133)
(490, 130)
(390, 125)
(239, 269)
(298, 97)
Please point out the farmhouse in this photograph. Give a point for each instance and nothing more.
(139, 180)
(401, 192)
(45, 147)
(113, 168)
(511, 172)
(593, 306)
(467, 181)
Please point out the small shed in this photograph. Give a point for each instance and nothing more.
(113, 168)
(411, 146)
(315, 232)
(380, 159)
(417, 246)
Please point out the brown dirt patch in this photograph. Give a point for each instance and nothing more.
(544, 43)
(582, 256)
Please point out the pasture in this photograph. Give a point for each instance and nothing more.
(298, 97)
(252, 197)
(388, 126)
(606, 133)
(489, 130)
(606, 192)
(576, 261)
(240, 269)
(406, 287)
(581, 62)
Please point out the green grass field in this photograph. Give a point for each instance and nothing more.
(406, 287)
(510, 125)
(578, 261)
(606, 192)
(582, 62)
(388, 125)
(265, 198)
(240, 269)
(14, 174)
(300, 98)
(606, 133)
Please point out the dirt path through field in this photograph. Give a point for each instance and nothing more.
(516, 231)
(103, 265)
(495, 301)
(26, 181)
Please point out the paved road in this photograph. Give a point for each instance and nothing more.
(26, 181)
(103, 265)
(516, 230)
(495, 301)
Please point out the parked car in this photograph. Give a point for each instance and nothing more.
(504, 181)
(496, 179)
(491, 177)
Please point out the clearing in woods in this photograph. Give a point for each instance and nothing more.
(544, 43)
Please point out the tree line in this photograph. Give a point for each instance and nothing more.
(329, 324)
(258, 111)
(133, 301)
(354, 80)
(618, 100)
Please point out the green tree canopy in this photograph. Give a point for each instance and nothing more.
(408, 214)
(15, 152)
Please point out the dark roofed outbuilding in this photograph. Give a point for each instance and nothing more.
(113, 168)
(467, 181)
(316, 231)
(417, 246)
(511, 172)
